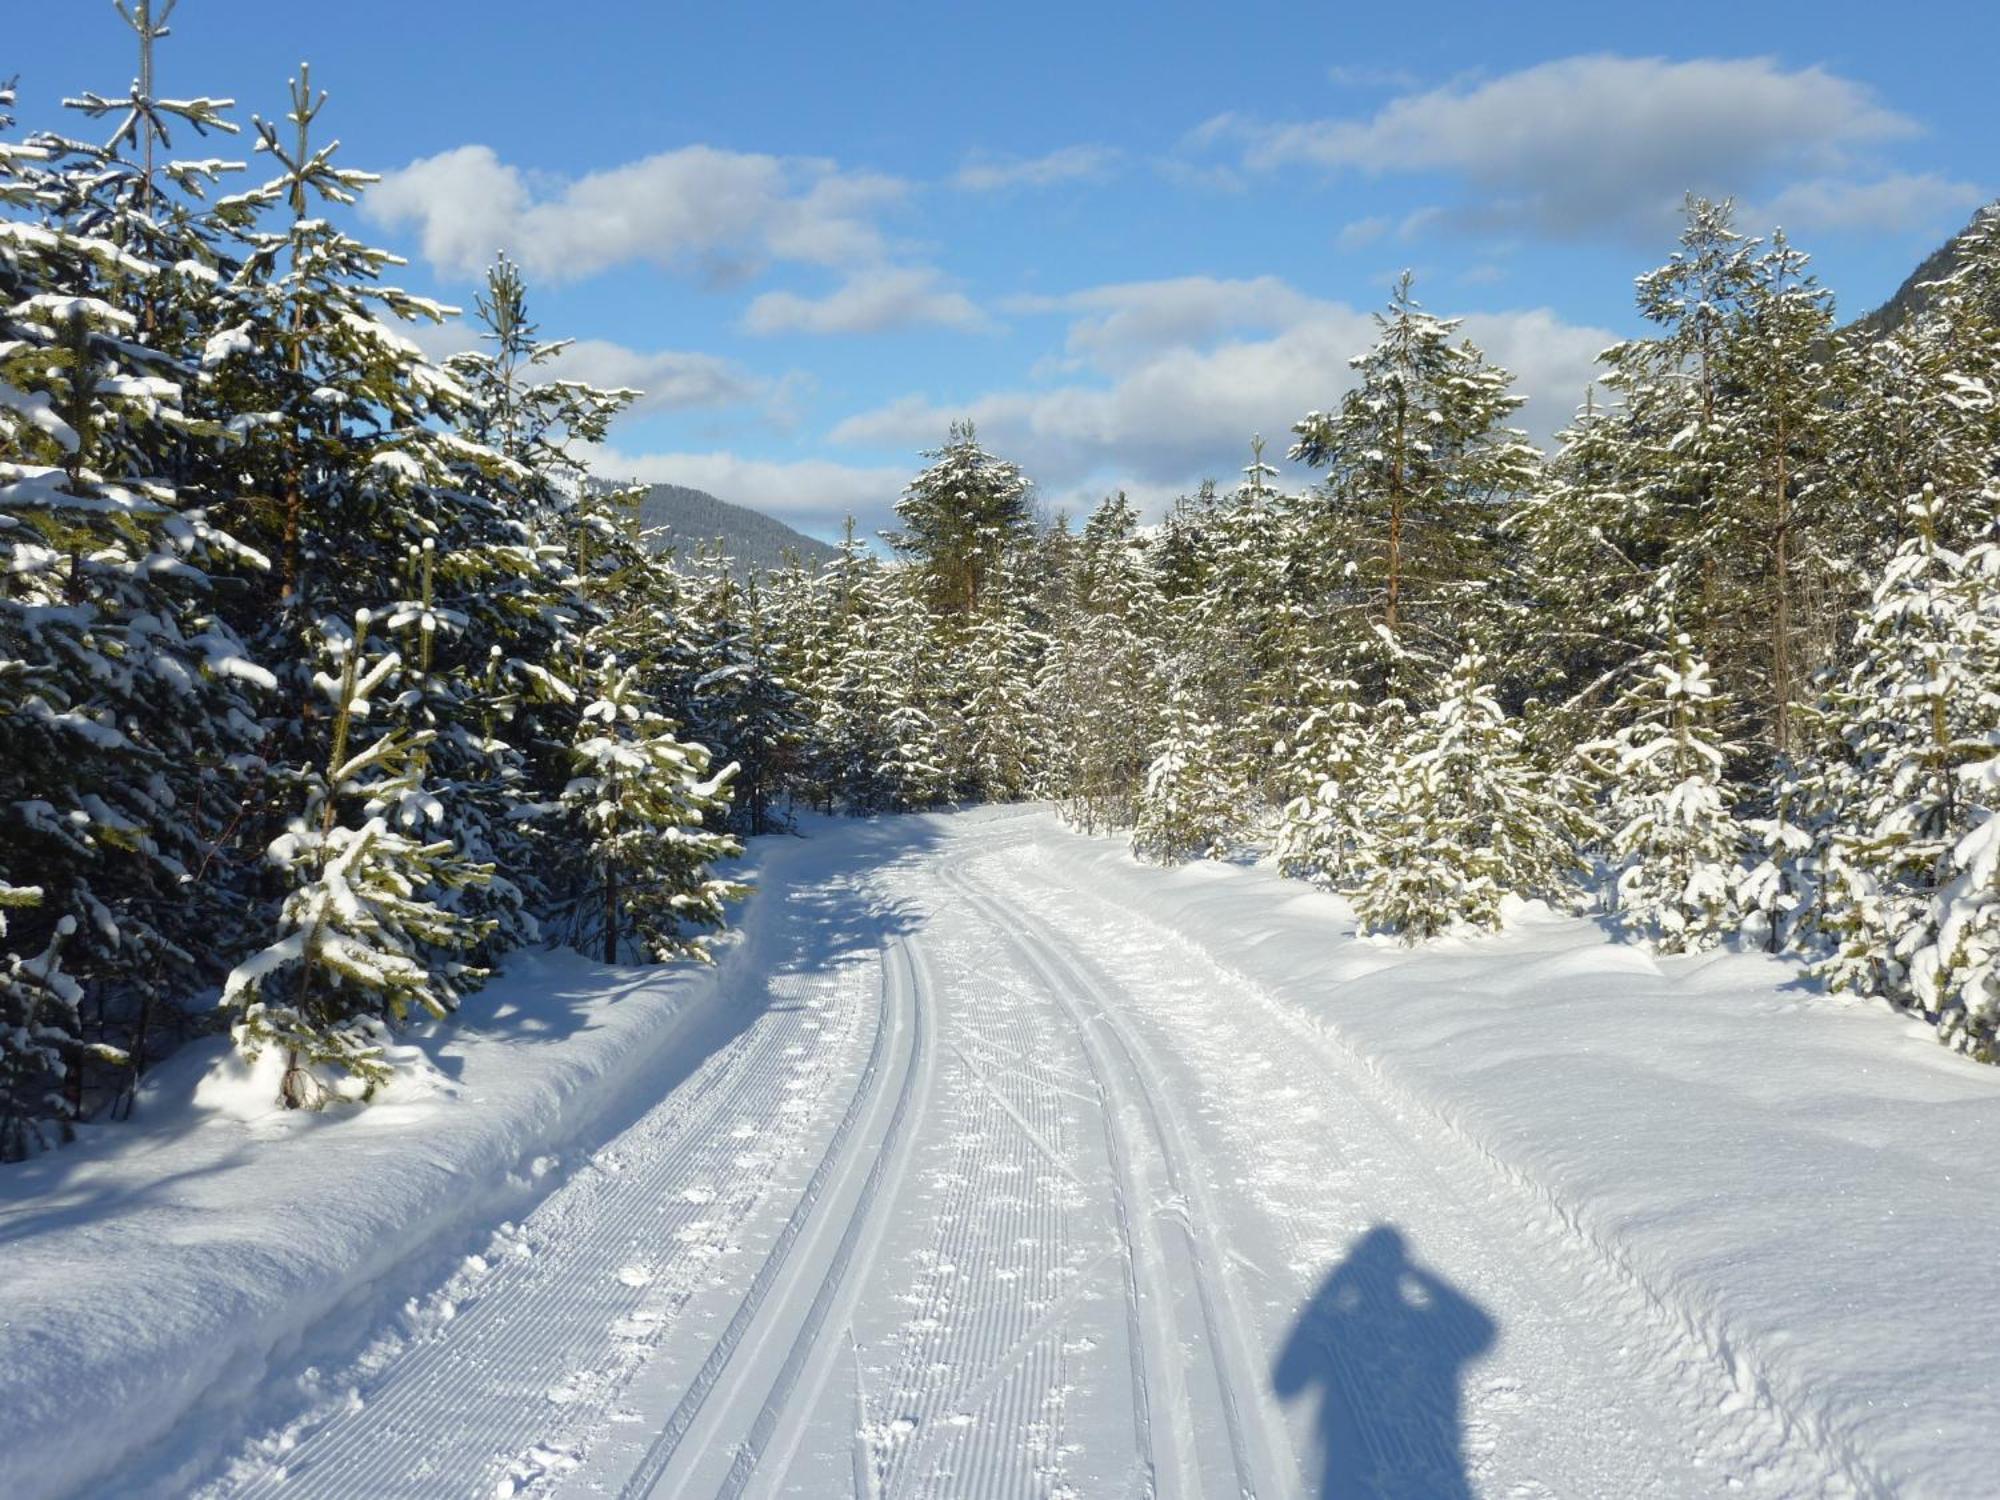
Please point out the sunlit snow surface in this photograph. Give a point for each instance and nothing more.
(990, 1163)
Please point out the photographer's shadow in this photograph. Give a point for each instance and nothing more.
(1384, 1343)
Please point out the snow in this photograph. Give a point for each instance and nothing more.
(989, 1160)
(156, 1272)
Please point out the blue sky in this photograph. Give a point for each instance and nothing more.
(1121, 237)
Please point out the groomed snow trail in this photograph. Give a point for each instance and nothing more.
(999, 1189)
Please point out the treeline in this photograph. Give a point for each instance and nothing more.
(1730, 655)
(324, 678)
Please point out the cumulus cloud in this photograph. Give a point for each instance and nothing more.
(1124, 321)
(812, 494)
(1585, 145)
(1920, 201)
(986, 172)
(666, 379)
(1174, 408)
(697, 206)
(868, 302)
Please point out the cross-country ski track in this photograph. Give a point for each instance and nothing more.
(985, 1178)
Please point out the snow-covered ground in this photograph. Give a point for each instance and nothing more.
(991, 1163)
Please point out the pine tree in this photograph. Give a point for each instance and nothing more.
(362, 937)
(1420, 467)
(1917, 710)
(958, 517)
(1460, 817)
(651, 813)
(1187, 809)
(1675, 847)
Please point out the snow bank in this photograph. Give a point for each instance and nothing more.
(161, 1270)
(1804, 1187)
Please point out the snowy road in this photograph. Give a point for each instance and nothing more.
(999, 1187)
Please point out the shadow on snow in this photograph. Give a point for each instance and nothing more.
(1382, 1345)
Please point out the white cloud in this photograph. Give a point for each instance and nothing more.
(1358, 234)
(1170, 412)
(1587, 144)
(869, 302)
(1128, 320)
(985, 173)
(694, 206)
(666, 379)
(1906, 202)
(812, 494)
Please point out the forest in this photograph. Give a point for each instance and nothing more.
(328, 675)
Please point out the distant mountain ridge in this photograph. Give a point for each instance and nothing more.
(1913, 296)
(686, 519)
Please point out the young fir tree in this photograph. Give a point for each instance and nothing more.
(1908, 846)
(1460, 817)
(132, 706)
(363, 939)
(651, 813)
(1675, 847)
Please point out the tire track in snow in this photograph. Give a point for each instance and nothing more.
(732, 1405)
(1259, 1453)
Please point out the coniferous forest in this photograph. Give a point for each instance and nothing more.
(329, 676)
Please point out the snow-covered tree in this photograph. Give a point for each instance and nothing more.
(362, 938)
(1908, 850)
(1328, 762)
(652, 812)
(1460, 817)
(1095, 690)
(1188, 805)
(1675, 846)
(957, 518)
(1420, 465)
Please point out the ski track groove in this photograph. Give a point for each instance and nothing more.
(562, 1310)
(1752, 1420)
(834, 1168)
(975, 1362)
(780, 1415)
(1255, 1462)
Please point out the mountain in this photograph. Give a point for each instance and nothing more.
(1913, 296)
(690, 518)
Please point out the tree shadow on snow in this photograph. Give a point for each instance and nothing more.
(1382, 1345)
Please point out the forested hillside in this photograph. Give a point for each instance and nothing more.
(326, 679)
(688, 520)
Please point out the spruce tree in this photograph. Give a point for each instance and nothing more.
(1187, 807)
(1329, 762)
